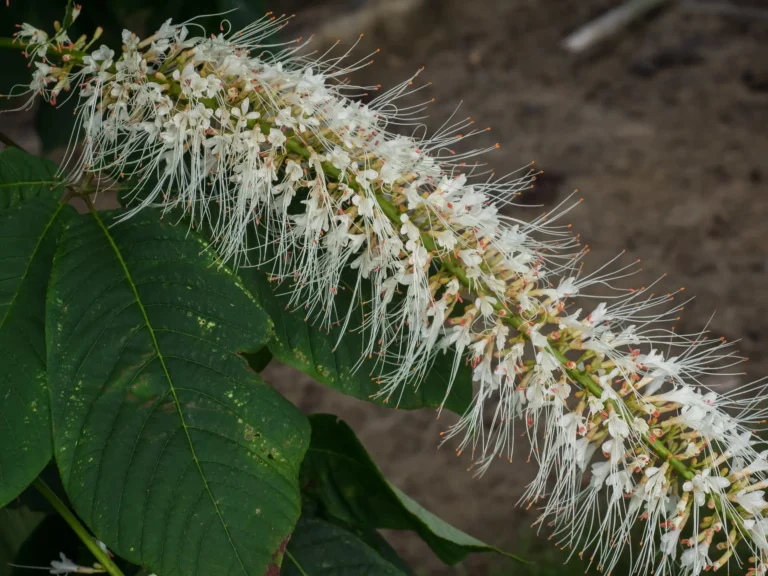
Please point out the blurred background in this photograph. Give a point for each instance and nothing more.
(662, 127)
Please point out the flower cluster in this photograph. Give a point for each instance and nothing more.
(267, 149)
(49, 79)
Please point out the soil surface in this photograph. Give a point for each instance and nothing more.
(663, 132)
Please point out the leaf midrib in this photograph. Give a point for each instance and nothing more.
(30, 183)
(160, 357)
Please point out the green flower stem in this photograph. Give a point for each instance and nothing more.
(102, 558)
(13, 44)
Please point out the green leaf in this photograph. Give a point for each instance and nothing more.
(171, 449)
(304, 346)
(31, 220)
(320, 548)
(340, 474)
(24, 178)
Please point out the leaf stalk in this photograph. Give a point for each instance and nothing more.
(103, 559)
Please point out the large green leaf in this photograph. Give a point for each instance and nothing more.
(31, 220)
(304, 346)
(319, 548)
(170, 448)
(340, 474)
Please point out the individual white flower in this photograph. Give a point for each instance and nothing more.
(364, 178)
(471, 258)
(617, 426)
(242, 114)
(688, 396)
(696, 559)
(98, 60)
(691, 450)
(408, 229)
(621, 482)
(64, 566)
(759, 464)
(704, 483)
(614, 450)
(446, 239)
(595, 405)
(752, 502)
(365, 205)
(485, 304)
(293, 170)
(656, 486)
(339, 158)
(759, 532)
(276, 138)
(31, 35)
(640, 426)
(669, 542)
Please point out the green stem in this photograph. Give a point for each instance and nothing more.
(13, 44)
(102, 558)
(295, 563)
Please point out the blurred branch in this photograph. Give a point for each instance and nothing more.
(608, 24)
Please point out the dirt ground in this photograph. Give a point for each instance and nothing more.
(662, 131)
